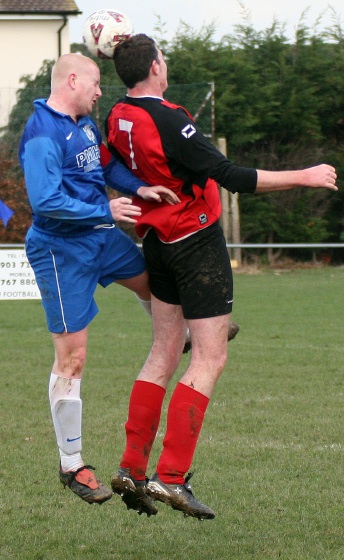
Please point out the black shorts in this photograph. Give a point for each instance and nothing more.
(195, 272)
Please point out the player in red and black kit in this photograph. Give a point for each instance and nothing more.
(189, 270)
(171, 141)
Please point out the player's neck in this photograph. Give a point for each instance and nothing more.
(61, 107)
(145, 90)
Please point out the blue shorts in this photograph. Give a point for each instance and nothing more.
(68, 269)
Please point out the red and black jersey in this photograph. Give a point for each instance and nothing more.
(162, 145)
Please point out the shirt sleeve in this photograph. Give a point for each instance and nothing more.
(42, 161)
(191, 149)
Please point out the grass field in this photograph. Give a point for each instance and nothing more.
(270, 455)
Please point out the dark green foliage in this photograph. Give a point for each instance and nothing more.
(33, 88)
(280, 106)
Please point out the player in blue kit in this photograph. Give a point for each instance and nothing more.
(74, 244)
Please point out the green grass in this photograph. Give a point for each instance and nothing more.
(270, 455)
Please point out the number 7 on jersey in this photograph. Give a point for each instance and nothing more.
(126, 126)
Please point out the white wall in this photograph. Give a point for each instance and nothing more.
(26, 43)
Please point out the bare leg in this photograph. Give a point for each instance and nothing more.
(64, 396)
(169, 328)
(66, 410)
(70, 354)
(207, 362)
(188, 403)
(145, 408)
(209, 353)
(139, 285)
(191, 396)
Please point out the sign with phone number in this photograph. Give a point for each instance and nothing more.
(17, 280)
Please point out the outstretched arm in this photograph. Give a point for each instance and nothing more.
(319, 176)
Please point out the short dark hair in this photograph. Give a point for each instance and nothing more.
(133, 59)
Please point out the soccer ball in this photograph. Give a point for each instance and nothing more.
(105, 29)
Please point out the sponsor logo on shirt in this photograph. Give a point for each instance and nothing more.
(203, 219)
(89, 158)
(88, 130)
(188, 131)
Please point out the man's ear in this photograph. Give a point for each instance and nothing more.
(155, 68)
(72, 80)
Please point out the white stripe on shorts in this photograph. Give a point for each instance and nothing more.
(59, 292)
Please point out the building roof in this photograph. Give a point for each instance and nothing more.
(25, 7)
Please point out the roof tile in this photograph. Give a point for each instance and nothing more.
(38, 6)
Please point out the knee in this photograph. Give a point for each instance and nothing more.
(160, 365)
(73, 363)
(214, 361)
(168, 360)
(78, 360)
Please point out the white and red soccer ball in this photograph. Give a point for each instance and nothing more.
(104, 30)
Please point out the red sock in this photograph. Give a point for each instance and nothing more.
(143, 421)
(184, 422)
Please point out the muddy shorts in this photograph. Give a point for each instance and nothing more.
(194, 272)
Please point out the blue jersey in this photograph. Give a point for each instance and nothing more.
(65, 181)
